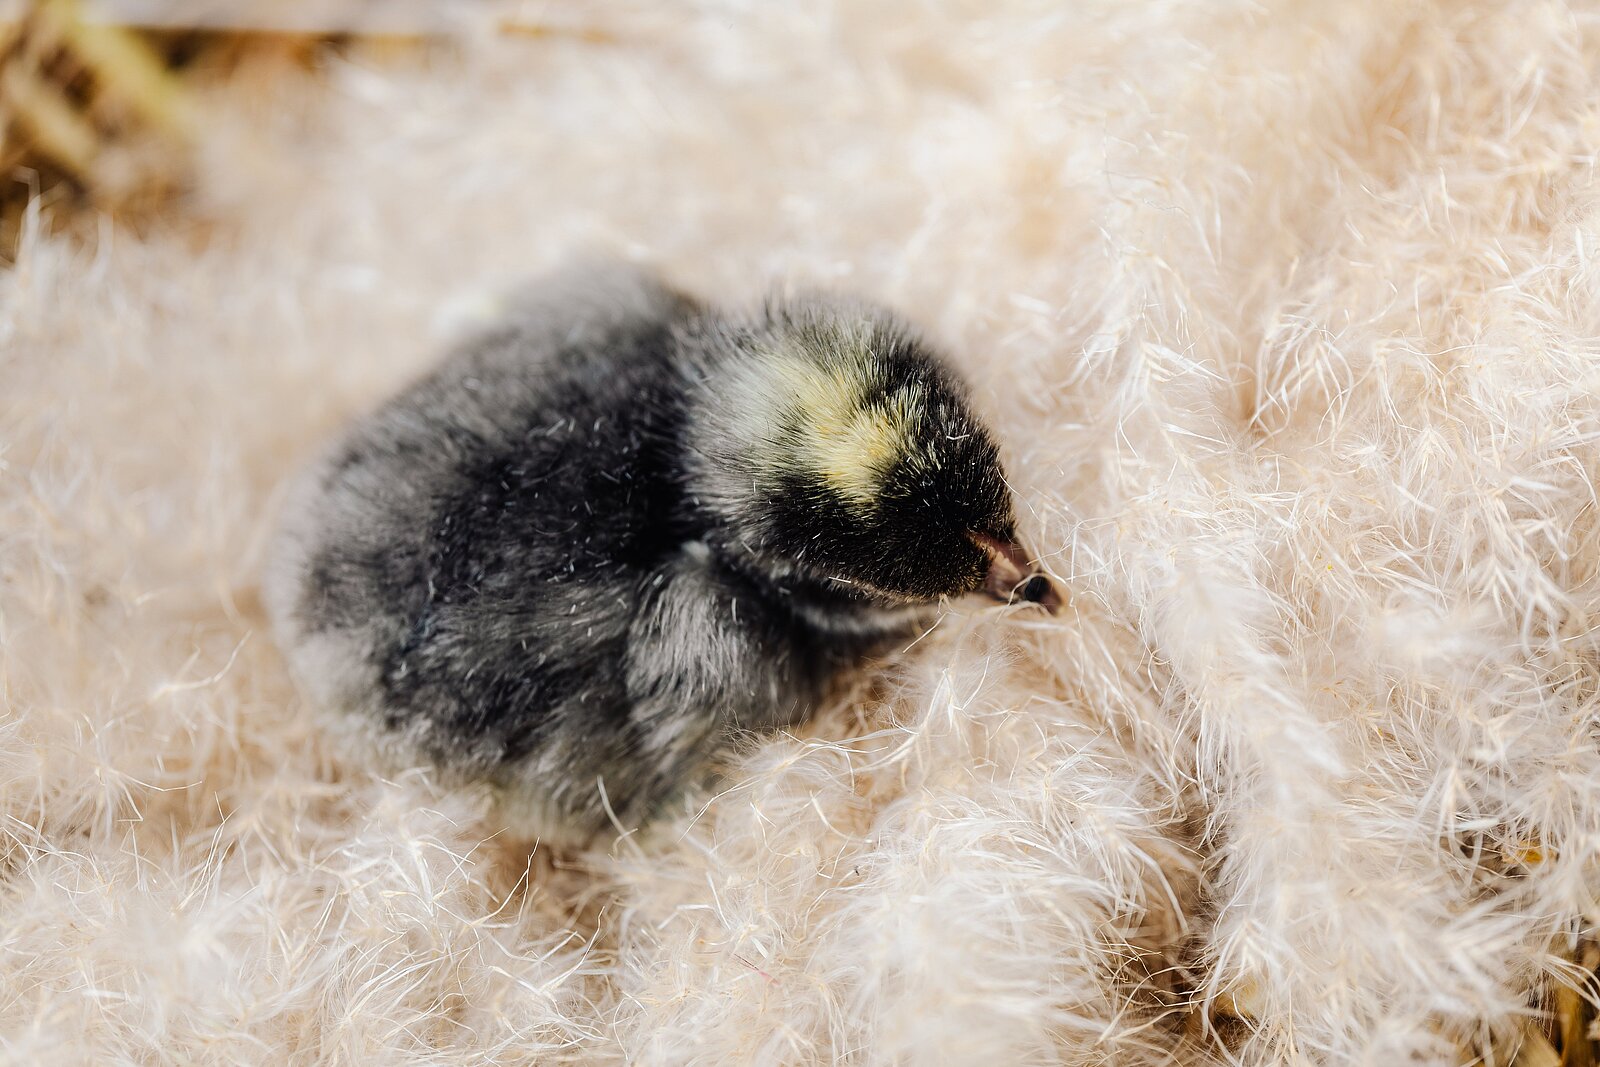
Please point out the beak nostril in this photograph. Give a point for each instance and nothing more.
(1011, 577)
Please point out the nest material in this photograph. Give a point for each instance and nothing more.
(1286, 315)
(95, 112)
(91, 104)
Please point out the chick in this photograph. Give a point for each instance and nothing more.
(618, 528)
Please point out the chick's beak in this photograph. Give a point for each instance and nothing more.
(1013, 577)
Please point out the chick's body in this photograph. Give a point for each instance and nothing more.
(554, 563)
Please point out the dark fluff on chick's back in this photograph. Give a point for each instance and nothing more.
(617, 528)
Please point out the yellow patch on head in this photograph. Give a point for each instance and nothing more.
(849, 443)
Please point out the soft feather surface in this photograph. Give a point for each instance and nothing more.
(1286, 315)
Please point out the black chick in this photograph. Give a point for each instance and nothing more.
(605, 536)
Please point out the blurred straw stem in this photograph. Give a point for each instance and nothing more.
(38, 113)
(1575, 1009)
(118, 58)
(91, 102)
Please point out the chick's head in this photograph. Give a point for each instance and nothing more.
(836, 443)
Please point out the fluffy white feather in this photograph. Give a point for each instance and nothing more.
(1286, 315)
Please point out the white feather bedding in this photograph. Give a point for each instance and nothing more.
(1286, 314)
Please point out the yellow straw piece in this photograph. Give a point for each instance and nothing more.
(56, 129)
(124, 65)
